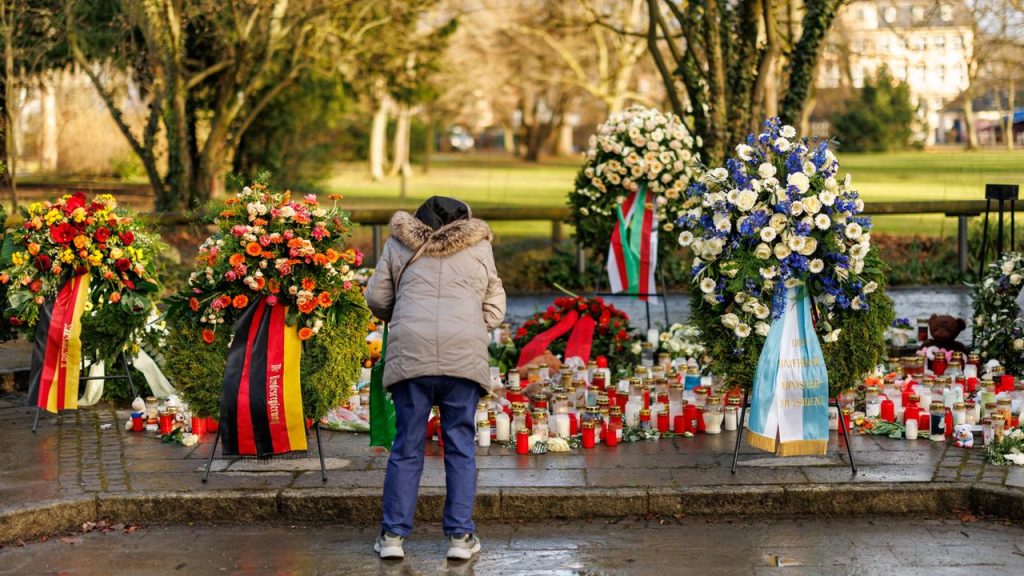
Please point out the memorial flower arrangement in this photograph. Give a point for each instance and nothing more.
(681, 340)
(998, 332)
(636, 147)
(1008, 450)
(613, 334)
(292, 252)
(77, 235)
(779, 215)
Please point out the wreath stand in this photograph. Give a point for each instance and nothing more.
(126, 376)
(319, 450)
(647, 303)
(740, 428)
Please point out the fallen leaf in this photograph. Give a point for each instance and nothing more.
(131, 529)
(966, 516)
(71, 540)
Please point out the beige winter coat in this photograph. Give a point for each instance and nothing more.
(448, 302)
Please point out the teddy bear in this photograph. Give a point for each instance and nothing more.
(963, 437)
(944, 330)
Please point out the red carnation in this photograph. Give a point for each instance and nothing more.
(127, 238)
(63, 233)
(102, 235)
(124, 264)
(43, 262)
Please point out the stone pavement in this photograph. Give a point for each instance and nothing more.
(889, 546)
(84, 465)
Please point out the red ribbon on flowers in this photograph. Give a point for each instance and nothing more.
(581, 339)
(540, 343)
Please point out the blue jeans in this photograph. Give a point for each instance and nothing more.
(457, 399)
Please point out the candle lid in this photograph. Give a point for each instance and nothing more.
(483, 424)
(645, 412)
(615, 410)
(588, 424)
(959, 406)
(523, 432)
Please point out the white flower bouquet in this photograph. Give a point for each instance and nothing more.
(998, 327)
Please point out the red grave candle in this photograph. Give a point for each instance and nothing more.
(692, 416)
(700, 420)
(680, 424)
(198, 425)
(523, 441)
(574, 425)
(924, 421)
(589, 434)
(612, 436)
(663, 422)
(888, 410)
(939, 364)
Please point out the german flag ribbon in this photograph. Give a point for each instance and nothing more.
(261, 401)
(57, 348)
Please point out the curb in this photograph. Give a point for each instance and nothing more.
(361, 506)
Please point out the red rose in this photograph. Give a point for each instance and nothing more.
(102, 235)
(15, 321)
(36, 285)
(127, 238)
(129, 284)
(521, 333)
(43, 262)
(77, 200)
(124, 264)
(63, 233)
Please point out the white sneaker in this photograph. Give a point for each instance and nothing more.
(462, 546)
(389, 546)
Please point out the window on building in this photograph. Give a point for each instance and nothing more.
(958, 41)
(918, 43)
(918, 12)
(889, 14)
(946, 12)
(939, 41)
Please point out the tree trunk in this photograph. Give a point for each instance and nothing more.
(378, 137)
(1009, 117)
(3, 128)
(10, 125)
(428, 142)
(564, 146)
(400, 165)
(508, 139)
(969, 123)
(48, 148)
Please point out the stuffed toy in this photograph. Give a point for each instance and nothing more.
(944, 330)
(963, 437)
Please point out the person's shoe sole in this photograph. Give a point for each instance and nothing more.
(463, 553)
(389, 552)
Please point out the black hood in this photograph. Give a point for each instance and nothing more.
(438, 211)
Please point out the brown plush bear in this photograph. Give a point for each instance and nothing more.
(944, 330)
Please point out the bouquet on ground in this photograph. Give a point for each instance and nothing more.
(776, 216)
(577, 326)
(77, 236)
(681, 341)
(998, 327)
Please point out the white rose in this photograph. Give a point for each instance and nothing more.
(812, 205)
(723, 223)
(744, 152)
(768, 273)
(788, 131)
(1015, 279)
(685, 238)
(766, 170)
(800, 180)
(782, 144)
(1007, 267)
(762, 311)
(763, 251)
(762, 328)
(858, 266)
(858, 251)
(1018, 344)
(711, 299)
(768, 234)
(707, 285)
(731, 196)
(810, 245)
(816, 266)
(730, 320)
(746, 199)
(778, 221)
(822, 222)
(796, 208)
(719, 174)
(742, 331)
(781, 251)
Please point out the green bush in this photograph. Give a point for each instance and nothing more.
(333, 360)
(196, 369)
(879, 119)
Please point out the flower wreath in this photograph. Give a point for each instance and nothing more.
(775, 216)
(639, 146)
(612, 334)
(998, 327)
(75, 235)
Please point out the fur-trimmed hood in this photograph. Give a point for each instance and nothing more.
(445, 241)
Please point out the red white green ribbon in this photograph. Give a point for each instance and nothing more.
(633, 251)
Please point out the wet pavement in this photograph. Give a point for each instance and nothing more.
(911, 302)
(891, 546)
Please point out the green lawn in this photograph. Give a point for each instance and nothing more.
(498, 180)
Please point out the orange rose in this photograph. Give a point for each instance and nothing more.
(254, 249)
(115, 297)
(33, 248)
(267, 255)
(295, 243)
(307, 307)
(208, 336)
(308, 284)
(320, 259)
(240, 301)
(193, 304)
(260, 283)
(274, 285)
(324, 299)
(81, 241)
(4, 278)
(305, 333)
(236, 260)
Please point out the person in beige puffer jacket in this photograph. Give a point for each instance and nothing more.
(440, 314)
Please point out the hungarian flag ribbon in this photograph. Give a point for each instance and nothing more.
(633, 250)
(57, 348)
(789, 405)
(261, 401)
